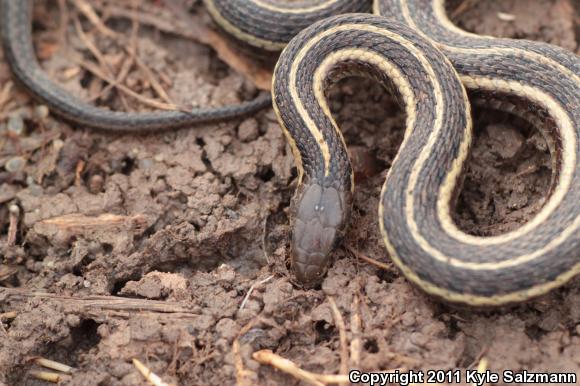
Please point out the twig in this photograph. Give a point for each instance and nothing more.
(342, 335)
(199, 33)
(119, 79)
(79, 172)
(369, 260)
(153, 80)
(267, 357)
(146, 101)
(92, 47)
(7, 271)
(8, 315)
(79, 222)
(48, 377)
(87, 10)
(242, 373)
(53, 365)
(175, 26)
(14, 214)
(99, 306)
(125, 66)
(482, 367)
(98, 55)
(355, 330)
(461, 9)
(264, 232)
(63, 21)
(132, 52)
(5, 94)
(149, 375)
(252, 288)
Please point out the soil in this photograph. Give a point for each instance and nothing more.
(172, 248)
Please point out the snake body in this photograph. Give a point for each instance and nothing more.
(412, 48)
(270, 24)
(15, 28)
(542, 254)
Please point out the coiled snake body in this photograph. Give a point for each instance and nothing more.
(412, 48)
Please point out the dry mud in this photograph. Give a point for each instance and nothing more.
(187, 223)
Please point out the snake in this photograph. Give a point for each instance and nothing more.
(414, 50)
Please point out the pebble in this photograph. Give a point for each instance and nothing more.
(41, 112)
(96, 183)
(16, 124)
(14, 210)
(36, 190)
(15, 164)
(145, 163)
(232, 214)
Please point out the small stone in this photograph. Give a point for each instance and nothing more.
(36, 190)
(226, 273)
(517, 200)
(41, 112)
(145, 163)
(16, 124)
(96, 183)
(248, 130)
(14, 210)
(232, 214)
(58, 144)
(15, 164)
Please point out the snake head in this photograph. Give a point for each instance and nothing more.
(320, 222)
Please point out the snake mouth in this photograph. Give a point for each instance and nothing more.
(310, 266)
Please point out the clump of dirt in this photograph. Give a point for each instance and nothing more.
(171, 248)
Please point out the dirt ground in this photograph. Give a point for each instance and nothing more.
(172, 248)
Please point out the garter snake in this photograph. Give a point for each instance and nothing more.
(412, 48)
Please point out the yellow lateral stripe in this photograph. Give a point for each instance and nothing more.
(289, 137)
(439, 10)
(395, 75)
(238, 33)
(564, 123)
(297, 62)
(281, 9)
(565, 178)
